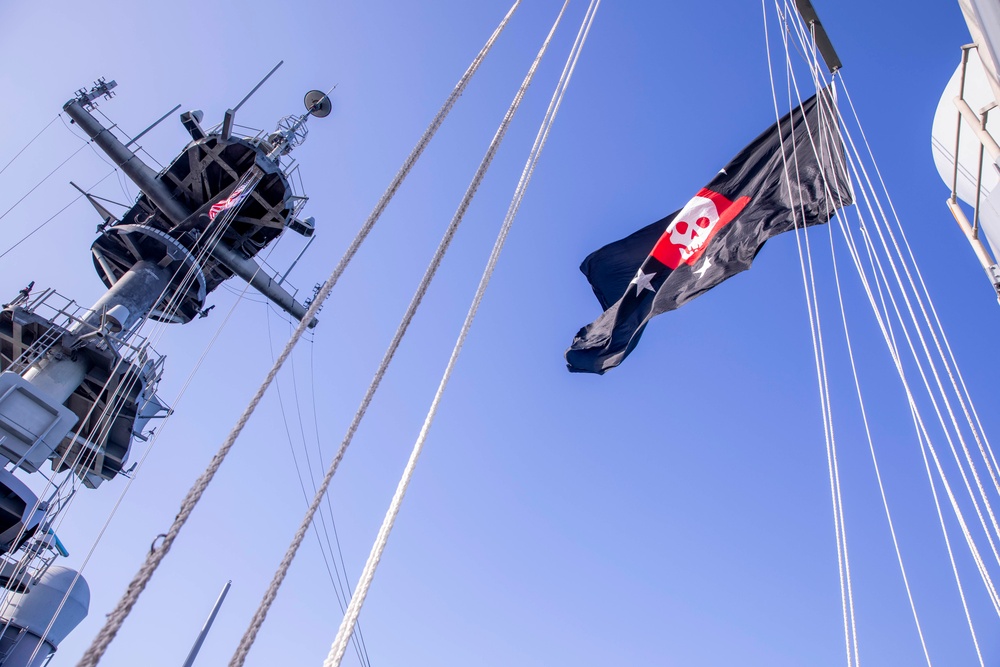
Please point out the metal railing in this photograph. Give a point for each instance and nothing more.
(976, 122)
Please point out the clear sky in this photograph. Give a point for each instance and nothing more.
(673, 512)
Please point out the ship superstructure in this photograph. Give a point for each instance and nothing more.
(78, 385)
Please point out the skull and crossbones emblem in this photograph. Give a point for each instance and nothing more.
(693, 225)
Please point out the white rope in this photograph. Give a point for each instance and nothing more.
(926, 381)
(894, 353)
(836, 154)
(239, 656)
(952, 371)
(923, 437)
(927, 355)
(979, 433)
(339, 645)
(115, 619)
(809, 285)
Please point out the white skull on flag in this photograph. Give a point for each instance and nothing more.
(693, 225)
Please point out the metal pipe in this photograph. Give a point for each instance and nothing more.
(208, 626)
(129, 162)
(958, 119)
(977, 245)
(974, 123)
(979, 182)
(250, 271)
(259, 84)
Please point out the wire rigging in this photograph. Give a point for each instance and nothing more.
(901, 303)
(323, 546)
(28, 145)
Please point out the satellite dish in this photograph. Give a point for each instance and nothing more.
(318, 103)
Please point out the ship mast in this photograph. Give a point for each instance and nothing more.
(78, 384)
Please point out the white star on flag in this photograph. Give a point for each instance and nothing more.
(703, 268)
(643, 281)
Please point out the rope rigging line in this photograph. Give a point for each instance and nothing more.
(809, 285)
(31, 141)
(894, 353)
(271, 593)
(927, 385)
(965, 400)
(339, 645)
(115, 619)
(831, 109)
(921, 433)
(936, 391)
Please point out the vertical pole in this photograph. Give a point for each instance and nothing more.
(208, 626)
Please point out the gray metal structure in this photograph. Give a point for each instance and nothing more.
(77, 385)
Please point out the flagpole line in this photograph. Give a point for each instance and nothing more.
(878, 269)
(834, 122)
(920, 277)
(810, 308)
(848, 615)
(922, 434)
(339, 646)
(958, 513)
(871, 447)
(928, 358)
(138, 584)
(978, 434)
(822, 369)
(323, 546)
(885, 326)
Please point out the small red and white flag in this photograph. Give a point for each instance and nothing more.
(232, 201)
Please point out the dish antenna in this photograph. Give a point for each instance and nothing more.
(318, 103)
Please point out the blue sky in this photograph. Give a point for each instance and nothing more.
(673, 512)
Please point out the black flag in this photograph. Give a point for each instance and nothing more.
(791, 175)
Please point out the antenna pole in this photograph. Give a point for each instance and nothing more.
(230, 116)
(155, 123)
(208, 626)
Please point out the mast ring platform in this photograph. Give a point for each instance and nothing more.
(122, 246)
